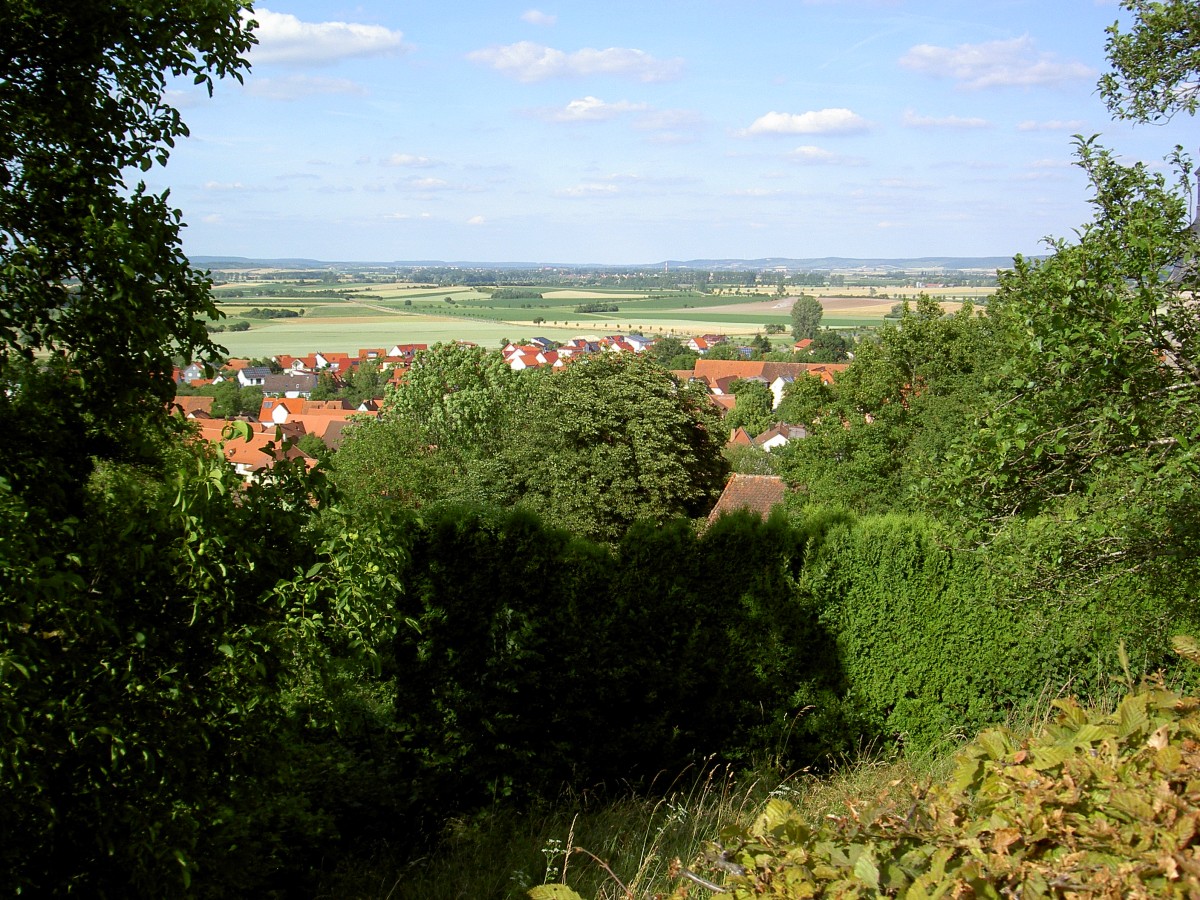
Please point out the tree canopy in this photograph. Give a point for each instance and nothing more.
(806, 317)
(92, 271)
(612, 439)
(1156, 63)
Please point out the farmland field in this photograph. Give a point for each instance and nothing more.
(349, 317)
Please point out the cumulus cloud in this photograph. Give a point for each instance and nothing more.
(912, 120)
(537, 17)
(1052, 125)
(477, 220)
(590, 109)
(297, 87)
(283, 38)
(410, 161)
(821, 121)
(1010, 63)
(527, 61)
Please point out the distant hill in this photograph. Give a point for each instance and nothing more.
(845, 263)
(816, 264)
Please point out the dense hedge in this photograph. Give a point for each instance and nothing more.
(936, 642)
(528, 660)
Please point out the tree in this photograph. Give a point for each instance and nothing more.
(1156, 64)
(890, 419)
(440, 435)
(753, 410)
(613, 439)
(138, 684)
(828, 347)
(1092, 418)
(671, 353)
(760, 343)
(725, 350)
(92, 272)
(806, 317)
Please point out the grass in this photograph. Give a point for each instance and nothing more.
(629, 847)
(374, 315)
(623, 848)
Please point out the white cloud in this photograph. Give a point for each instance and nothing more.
(912, 120)
(283, 38)
(590, 109)
(810, 155)
(537, 17)
(477, 220)
(297, 87)
(590, 189)
(409, 161)
(1008, 63)
(821, 121)
(429, 184)
(1052, 125)
(527, 61)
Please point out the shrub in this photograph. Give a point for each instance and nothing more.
(1097, 804)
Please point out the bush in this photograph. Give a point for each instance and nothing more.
(1102, 805)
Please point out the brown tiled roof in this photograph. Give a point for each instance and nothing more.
(723, 402)
(715, 371)
(739, 437)
(757, 493)
(191, 405)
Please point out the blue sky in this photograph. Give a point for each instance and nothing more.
(632, 132)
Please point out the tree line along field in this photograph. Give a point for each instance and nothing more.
(344, 318)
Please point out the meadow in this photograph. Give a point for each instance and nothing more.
(348, 317)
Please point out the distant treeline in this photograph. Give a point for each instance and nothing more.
(597, 308)
(269, 313)
(517, 294)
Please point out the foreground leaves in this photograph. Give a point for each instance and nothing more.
(1106, 805)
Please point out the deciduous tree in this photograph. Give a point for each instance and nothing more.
(806, 317)
(613, 439)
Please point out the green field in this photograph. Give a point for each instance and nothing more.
(347, 318)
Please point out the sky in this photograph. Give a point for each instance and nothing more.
(625, 133)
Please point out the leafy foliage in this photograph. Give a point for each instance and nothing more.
(612, 439)
(136, 697)
(806, 317)
(91, 267)
(1156, 64)
(889, 420)
(1105, 805)
(753, 410)
(1091, 418)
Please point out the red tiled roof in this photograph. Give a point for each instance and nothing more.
(188, 405)
(739, 437)
(757, 493)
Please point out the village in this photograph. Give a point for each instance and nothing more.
(290, 417)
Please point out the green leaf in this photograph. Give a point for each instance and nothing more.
(553, 892)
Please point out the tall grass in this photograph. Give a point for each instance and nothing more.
(623, 847)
